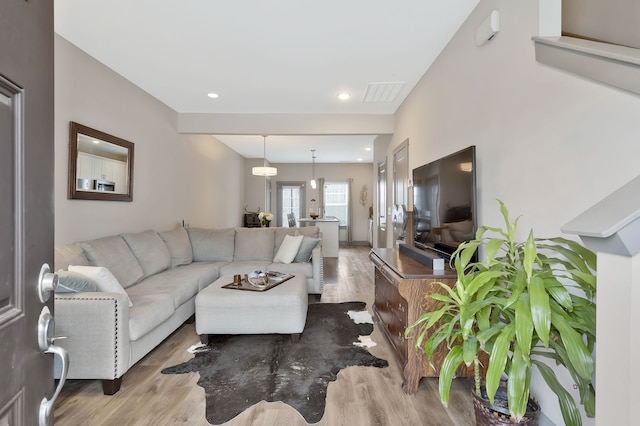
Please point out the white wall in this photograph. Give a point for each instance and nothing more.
(175, 177)
(254, 187)
(548, 143)
(360, 173)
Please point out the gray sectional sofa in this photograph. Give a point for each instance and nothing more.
(153, 280)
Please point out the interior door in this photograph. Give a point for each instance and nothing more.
(382, 204)
(400, 173)
(26, 212)
(400, 190)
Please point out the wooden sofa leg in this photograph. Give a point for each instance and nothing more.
(110, 387)
(295, 337)
(204, 339)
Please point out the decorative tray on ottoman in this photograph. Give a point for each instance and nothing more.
(261, 283)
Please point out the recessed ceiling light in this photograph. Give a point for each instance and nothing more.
(367, 149)
(213, 95)
(95, 141)
(344, 96)
(359, 159)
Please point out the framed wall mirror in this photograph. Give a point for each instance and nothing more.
(100, 165)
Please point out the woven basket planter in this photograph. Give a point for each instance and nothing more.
(488, 414)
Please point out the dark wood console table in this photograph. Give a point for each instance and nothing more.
(401, 287)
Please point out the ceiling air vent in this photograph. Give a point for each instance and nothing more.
(383, 92)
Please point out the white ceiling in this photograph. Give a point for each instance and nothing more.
(297, 149)
(277, 56)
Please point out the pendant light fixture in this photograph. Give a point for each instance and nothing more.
(264, 170)
(313, 182)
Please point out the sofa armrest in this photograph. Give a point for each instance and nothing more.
(96, 327)
(318, 269)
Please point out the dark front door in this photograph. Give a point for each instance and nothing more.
(26, 211)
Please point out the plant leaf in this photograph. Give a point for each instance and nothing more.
(518, 384)
(579, 356)
(584, 253)
(570, 413)
(449, 366)
(492, 248)
(469, 350)
(498, 360)
(524, 324)
(540, 309)
(529, 255)
(559, 293)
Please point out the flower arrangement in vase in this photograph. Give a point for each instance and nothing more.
(265, 218)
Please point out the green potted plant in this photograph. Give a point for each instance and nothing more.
(525, 303)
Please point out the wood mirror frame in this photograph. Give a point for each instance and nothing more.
(103, 172)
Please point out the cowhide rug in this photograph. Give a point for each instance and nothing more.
(241, 370)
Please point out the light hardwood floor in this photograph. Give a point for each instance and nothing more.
(360, 395)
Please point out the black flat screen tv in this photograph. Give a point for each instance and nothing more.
(444, 202)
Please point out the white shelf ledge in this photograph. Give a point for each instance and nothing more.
(617, 66)
(613, 224)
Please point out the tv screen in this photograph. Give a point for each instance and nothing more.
(444, 202)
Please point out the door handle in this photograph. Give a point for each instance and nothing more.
(46, 327)
(47, 283)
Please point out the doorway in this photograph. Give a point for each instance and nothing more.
(291, 200)
(400, 189)
(382, 204)
(336, 196)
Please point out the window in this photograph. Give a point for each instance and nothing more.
(290, 200)
(336, 201)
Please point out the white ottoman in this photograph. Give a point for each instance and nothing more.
(281, 309)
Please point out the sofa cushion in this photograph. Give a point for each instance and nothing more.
(307, 246)
(179, 246)
(288, 249)
(104, 279)
(150, 250)
(253, 244)
(114, 254)
(74, 282)
(69, 254)
(204, 272)
(212, 245)
(244, 267)
(180, 283)
(305, 269)
(148, 312)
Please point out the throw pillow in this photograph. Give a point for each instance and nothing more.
(114, 253)
(288, 249)
(68, 254)
(212, 245)
(307, 246)
(73, 282)
(105, 280)
(152, 253)
(179, 246)
(254, 244)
